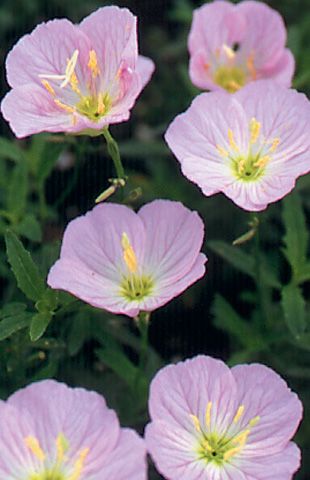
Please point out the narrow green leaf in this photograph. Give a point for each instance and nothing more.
(30, 228)
(39, 324)
(227, 319)
(26, 272)
(12, 308)
(48, 160)
(10, 150)
(79, 333)
(18, 190)
(119, 363)
(293, 305)
(243, 262)
(296, 236)
(304, 273)
(12, 323)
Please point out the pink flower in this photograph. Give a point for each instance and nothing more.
(125, 262)
(75, 78)
(251, 145)
(232, 45)
(52, 432)
(210, 422)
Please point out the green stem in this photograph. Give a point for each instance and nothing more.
(262, 289)
(114, 153)
(143, 325)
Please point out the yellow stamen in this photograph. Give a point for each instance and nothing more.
(93, 64)
(229, 52)
(129, 254)
(62, 446)
(274, 145)
(239, 414)
(222, 151)
(101, 105)
(255, 128)
(262, 162)
(33, 444)
(232, 142)
(71, 64)
(65, 107)
(254, 421)
(74, 83)
(208, 415)
(79, 465)
(230, 453)
(251, 66)
(48, 87)
(242, 437)
(241, 166)
(206, 445)
(196, 423)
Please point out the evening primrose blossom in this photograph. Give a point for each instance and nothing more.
(52, 432)
(251, 145)
(233, 45)
(127, 262)
(75, 78)
(212, 422)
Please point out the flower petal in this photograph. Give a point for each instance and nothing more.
(145, 68)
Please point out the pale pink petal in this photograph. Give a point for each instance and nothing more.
(185, 389)
(279, 415)
(55, 408)
(282, 71)
(46, 51)
(128, 459)
(113, 34)
(174, 236)
(145, 68)
(30, 109)
(279, 466)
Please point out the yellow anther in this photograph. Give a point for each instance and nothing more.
(196, 423)
(232, 142)
(239, 414)
(62, 445)
(48, 87)
(255, 128)
(101, 105)
(229, 52)
(129, 254)
(79, 465)
(230, 453)
(206, 445)
(33, 444)
(74, 83)
(274, 145)
(222, 151)
(254, 421)
(65, 107)
(93, 64)
(208, 415)
(241, 166)
(71, 64)
(242, 437)
(262, 162)
(251, 67)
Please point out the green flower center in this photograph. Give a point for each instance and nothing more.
(94, 107)
(231, 78)
(251, 165)
(48, 475)
(219, 449)
(136, 287)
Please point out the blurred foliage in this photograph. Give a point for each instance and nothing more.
(250, 307)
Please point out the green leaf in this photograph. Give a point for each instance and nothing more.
(119, 363)
(26, 272)
(48, 301)
(30, 228)
(244, 262)
(79, 333)
(12, 323)
(48, 159)
(12, 308)
(10, 150)
(293, 305)
(39, 324)
(227, 319)
(296, 236)
(18, 190)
